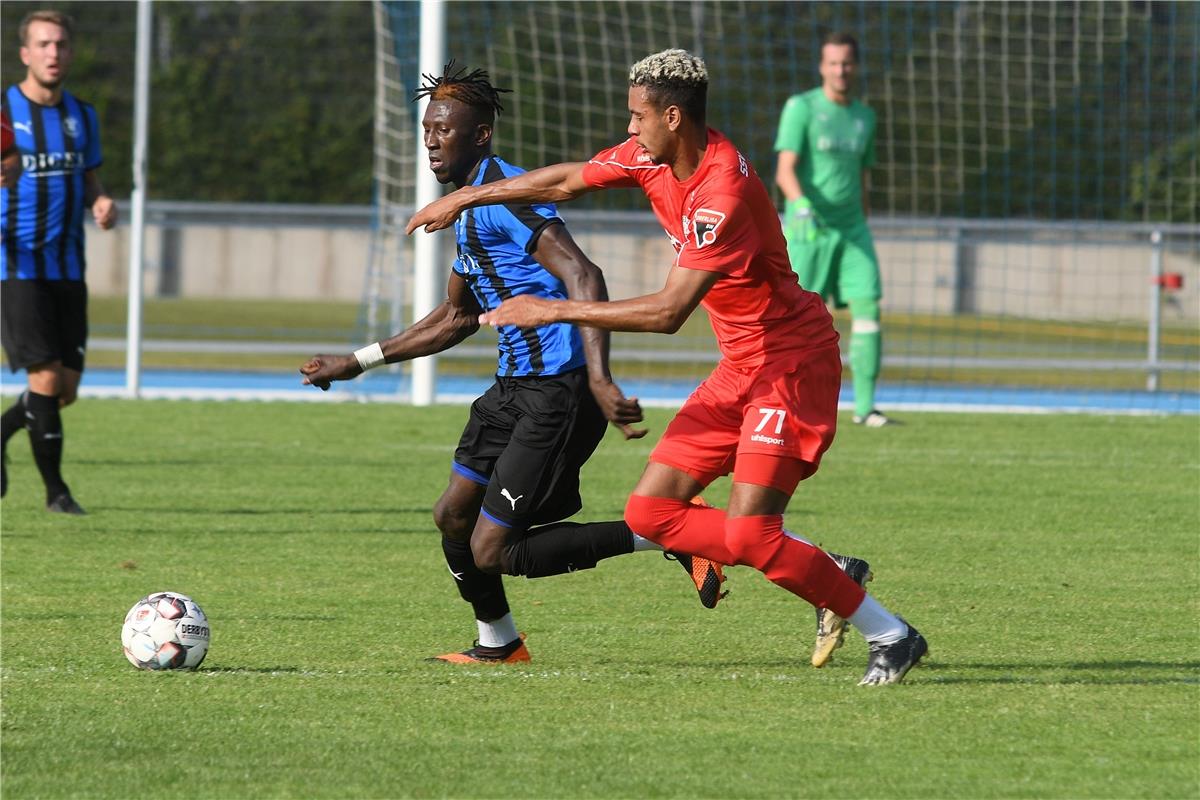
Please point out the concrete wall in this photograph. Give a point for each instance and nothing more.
(229, 261)
(926, 268)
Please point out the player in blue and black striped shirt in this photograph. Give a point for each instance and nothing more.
(42, 263)
(518, 460)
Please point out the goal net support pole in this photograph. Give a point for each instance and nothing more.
(428, 247)
(137, 223)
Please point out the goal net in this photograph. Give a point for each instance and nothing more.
(1035, 202)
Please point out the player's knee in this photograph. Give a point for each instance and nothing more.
(648, 516)
(488, 553)
(452, 520)
(68, 396)
(753, 541)
(662, 520)
(45, 380)
(742, 540)
(639, 513)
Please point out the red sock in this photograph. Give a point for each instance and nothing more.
(680, 526)
(797, 566)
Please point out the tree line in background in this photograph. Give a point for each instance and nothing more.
(250, 102)
(1049, 111)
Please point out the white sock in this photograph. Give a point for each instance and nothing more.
(642, 543)
(797, 537)
(498, 633)
(877, 624)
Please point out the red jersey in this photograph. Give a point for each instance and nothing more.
(8, 137)
(721, 219)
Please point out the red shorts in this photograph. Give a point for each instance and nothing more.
(768, 426)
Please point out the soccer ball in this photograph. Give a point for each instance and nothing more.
(165, 630)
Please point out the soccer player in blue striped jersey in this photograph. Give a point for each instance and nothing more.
(515, 474)
(494, 246)
(42, 264)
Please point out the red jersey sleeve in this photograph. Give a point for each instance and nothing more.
(8, 138)
(617, 166)
(720, 236)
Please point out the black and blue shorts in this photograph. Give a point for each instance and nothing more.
(527, 440)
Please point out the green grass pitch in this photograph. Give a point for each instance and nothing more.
(1052, 562)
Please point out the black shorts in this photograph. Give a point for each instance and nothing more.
(43, 321)
(527, 439)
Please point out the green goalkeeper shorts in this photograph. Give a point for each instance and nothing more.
(838, 264)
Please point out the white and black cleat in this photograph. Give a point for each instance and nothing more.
(889, 663)
(874, 419)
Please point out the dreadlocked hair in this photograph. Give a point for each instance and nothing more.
(471, 88)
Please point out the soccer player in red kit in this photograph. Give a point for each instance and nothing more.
(10, 156)
(768, 411)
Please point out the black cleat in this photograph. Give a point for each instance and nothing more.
(65, 504)
(831, 629)
(707, 576)
(889, 663)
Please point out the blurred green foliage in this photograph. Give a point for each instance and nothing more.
(250, 102)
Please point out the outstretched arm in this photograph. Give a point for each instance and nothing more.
(561, 256)
(662, 312)
(447, 325)
(554, 184)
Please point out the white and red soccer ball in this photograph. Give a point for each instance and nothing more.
(165, 630)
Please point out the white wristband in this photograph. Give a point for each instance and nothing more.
(370, 356)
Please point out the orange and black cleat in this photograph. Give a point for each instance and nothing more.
(706, 575)
(514, 652)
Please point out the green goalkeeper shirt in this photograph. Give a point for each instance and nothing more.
(833, 145)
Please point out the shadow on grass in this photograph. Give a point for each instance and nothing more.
(157, 462)
(356, 531)
(1097, 673)
(264, 512)
(44, 616)
(260, 671)
(1032, 673)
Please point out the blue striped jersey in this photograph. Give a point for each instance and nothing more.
(495, 246)
(42, 216)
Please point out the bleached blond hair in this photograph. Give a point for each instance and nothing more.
(674, 78)
(669, 65)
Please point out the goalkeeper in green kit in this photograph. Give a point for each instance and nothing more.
(826, 146)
